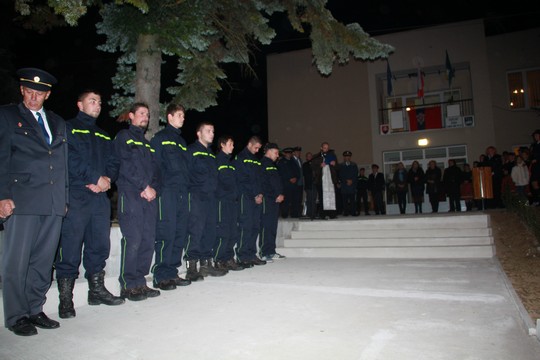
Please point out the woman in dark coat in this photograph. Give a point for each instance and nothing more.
(434, 185)
(416, 179)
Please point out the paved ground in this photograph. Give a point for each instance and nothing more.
(303, 309)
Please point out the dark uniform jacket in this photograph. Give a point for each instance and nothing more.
(138, 167)
(227, 188)
(202, 169)
(33, 173)
(288, 169)
(376, 183)
(171, 150)
(248, 168)
(91, 153)
(348, 172)
(272, 185)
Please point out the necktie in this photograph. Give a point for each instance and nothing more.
(42, 125)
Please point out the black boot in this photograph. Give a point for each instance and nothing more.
(192, 273)
(98, 294)
(207, 268)
(65, 290)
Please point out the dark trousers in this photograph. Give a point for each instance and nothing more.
(30, 244)
(201, 226)
(296, 202)
(311, 202)
(362, 198)
(226, 230)
(286, 207)
(87, 223)
(349, 204)
(454, 201)
(137, 219)
(378, 203)
(171, 233)
(402, 201)
(434, 201)
(249, 221)
(269, 223)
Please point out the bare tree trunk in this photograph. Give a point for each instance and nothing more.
(148, 78)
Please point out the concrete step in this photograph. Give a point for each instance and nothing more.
(390, 233)
(389, 242)
(435, 236)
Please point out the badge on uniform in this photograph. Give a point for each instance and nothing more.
(20, 125)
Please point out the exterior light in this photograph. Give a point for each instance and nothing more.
(422, 142)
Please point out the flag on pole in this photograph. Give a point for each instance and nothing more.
(450, 71)
(389, 85)
(420, 83)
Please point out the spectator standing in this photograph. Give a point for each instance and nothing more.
(298, 194)
(91, 167)
(362, 192)
(494, 160)
(434, 185)
(520, 177)
(311, 192)
(290, 174)
(452, 185)
(376, 185)
(401, 184)
(348, 178)
(416, 179)
(467, 189)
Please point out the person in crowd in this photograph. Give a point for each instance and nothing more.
(466, 188)
(534, 181)
(171, 228)
(290, 174)
(452, 185)
(272, 188)
(138, 183)
(521, 177)
(416, 180)
(309, 189)
(91, 166)
(348, 178)
(494, 160)
(227, 207)
(377, 185)
(203, 178)
(33, 201)
(434, 185)
(325, 179)
(249, 176)
(402, 187)
(362, 192)
(297, 205)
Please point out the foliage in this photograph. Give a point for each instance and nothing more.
(201, 35)
(520, 205)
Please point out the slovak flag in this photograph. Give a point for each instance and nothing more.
(420, 84)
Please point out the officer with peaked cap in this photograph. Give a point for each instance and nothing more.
(33, 197)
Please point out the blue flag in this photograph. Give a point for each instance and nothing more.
(389, 87)
(450, 71)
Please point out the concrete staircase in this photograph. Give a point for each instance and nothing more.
(401, 236)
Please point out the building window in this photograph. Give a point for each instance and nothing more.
(524, 89)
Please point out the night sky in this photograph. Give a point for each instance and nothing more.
(70, 54)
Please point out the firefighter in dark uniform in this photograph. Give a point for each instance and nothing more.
(138, 183)
(171, 231)
(33, 197)
(227, 207)
(272, 197)
(248, 170)
(203, 176)
(91, 166)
